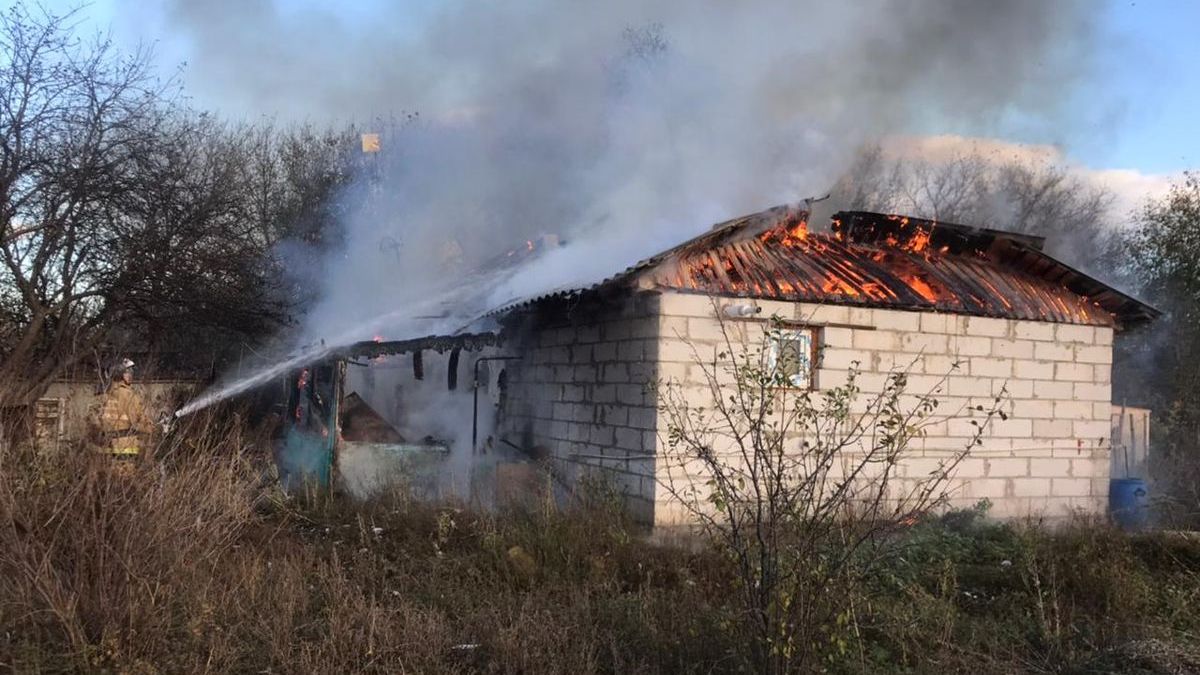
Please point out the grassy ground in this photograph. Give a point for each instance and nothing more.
(195, 565)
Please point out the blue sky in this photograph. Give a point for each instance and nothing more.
(1151, 74)
(1138, 109)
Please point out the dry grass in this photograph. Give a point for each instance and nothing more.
(195, 563)
(198, 564)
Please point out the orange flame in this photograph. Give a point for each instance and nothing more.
(792, 235)
(796, 234)
(846, 278)
(921, 287)
(834, 284)
(919, 242)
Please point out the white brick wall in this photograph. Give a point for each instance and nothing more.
(581, 392)
(1051, 454)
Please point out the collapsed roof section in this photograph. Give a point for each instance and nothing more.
(895, 262)
(878, 260)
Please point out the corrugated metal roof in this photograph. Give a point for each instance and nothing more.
(880, 260)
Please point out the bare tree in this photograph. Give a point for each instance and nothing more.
(72, 117)
(800, 488)
(126, 218)
(189, 264)
(1015, 195)
(1047, 200)
(293, 178)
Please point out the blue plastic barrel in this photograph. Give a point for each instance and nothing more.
(1129, 502)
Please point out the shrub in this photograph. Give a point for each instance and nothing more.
(800, 489)
(197, 563)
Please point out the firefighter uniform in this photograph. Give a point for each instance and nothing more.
(124, 421)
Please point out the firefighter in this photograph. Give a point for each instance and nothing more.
(123, 417)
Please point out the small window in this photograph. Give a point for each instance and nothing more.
(790, 356)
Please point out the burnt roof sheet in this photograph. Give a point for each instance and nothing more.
(438, 343)
(896, 262)
(881, 260)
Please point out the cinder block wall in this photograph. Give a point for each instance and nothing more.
(581, 393)
(1050, 456)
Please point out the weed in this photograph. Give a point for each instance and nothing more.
(197, 563)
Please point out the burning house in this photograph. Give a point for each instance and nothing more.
(971, 310)
(379, 411)
(983, 309)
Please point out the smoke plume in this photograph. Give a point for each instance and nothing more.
(620, 127)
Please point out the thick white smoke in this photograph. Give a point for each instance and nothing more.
(622, 127)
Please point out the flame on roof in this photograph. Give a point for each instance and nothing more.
(881, 260)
